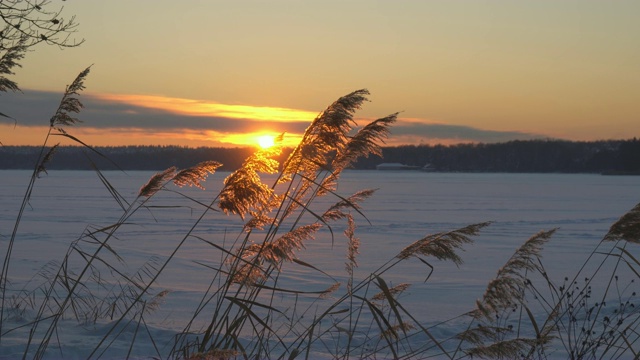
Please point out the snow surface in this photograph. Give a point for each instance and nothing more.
(407, 206)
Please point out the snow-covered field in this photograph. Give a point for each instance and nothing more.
(407, 206)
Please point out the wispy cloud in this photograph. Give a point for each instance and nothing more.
(430, 132)
(191, 107)
(174, 118)
(33, 108)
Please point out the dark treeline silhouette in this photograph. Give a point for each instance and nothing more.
(122, 157)
(610, 156)
(607, 156)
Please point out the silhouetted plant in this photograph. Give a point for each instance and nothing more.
(24, 24)
(247, 311)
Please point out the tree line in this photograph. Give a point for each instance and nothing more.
(538, 156)
(606, 156)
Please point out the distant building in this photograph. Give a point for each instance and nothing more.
(428, 168)
(396, 166)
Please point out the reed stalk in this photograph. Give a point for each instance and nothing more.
(524, 312)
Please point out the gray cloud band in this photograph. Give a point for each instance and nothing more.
(35, 108)
(468, 133)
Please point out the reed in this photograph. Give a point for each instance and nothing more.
(243, 313)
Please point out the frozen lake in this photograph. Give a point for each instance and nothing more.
(407, 206)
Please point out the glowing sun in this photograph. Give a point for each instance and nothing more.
(266, 141)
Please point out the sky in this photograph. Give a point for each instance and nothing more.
(220, 73)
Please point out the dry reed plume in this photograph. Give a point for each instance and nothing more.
(249, 311)
(627, 227)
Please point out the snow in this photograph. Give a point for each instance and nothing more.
(407, 206)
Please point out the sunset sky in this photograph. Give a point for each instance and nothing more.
(220, 73)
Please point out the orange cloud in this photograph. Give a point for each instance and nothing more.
(253, 138)
(208, 108)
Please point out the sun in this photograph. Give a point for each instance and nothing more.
(266, 141)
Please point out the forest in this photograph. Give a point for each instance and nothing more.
(530, 156)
